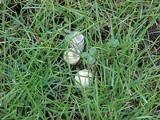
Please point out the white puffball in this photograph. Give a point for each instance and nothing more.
(83, 78)
(71, 56)
(77, 41)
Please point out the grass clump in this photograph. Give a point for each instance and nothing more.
(36, 83)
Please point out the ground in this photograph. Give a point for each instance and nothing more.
(123, 38)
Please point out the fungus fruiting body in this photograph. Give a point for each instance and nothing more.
(83, 78)
(78, 41)
(71, 56)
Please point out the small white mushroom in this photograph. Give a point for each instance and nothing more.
(71, 56)
(83, 78)
(77, 41)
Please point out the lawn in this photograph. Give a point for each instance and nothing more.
(122, 51)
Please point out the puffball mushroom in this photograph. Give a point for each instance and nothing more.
(83, 77)
(71, 56)
(77, 41)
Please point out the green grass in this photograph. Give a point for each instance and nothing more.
(35, 81)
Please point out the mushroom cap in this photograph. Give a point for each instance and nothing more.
(71, 56)
(77, 41)
(83, 78)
